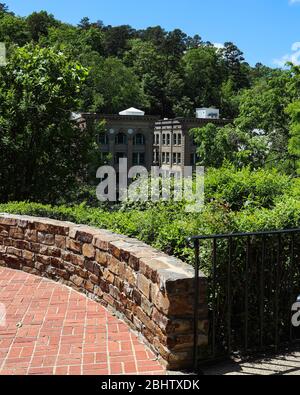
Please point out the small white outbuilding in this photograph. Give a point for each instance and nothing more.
(207, 113)
(132, 112)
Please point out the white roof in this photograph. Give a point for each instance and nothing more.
(75, 116)
(208, 109)
(132, 111)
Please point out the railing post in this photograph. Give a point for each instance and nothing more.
(262, 293)
(291, 279)
(277, 293)
(247, 292)
(214, 269)
(229, 296)
(196, 304)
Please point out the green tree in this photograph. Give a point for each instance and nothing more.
(194, 42)
(184, 108)
(84, 23)
(260, 71)
(156, 35)
(39, 23)
(263, 107)
(236, 68)
(216, 145)
(151, 68)
(13, 30)
(116, 39)
(43, 153)
(113, 87)
(3, 8)
(203, 76)
(229, 100)
(293, 110)
(174, 46)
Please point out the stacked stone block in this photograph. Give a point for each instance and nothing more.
(150, 291)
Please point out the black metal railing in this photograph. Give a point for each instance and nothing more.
(253, 281)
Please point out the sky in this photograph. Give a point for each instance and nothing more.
(267, 31)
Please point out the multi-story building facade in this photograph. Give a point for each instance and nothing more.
(174, 146)
(127, 135)
(146, 140)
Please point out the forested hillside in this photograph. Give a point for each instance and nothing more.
(164, 72)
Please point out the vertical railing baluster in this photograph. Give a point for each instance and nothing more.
(262, 292)
(277, 294)
(214, 297)
(291, 281)
(247, 292)
(196, 303)
(229, 301)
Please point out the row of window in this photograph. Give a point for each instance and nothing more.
(139, 139)
(138, 158)
(121, 139)
(166, 139)
(166, 156)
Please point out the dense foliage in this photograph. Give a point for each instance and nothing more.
(170, 74)
(42, 152)
(266, 129)
(166, 73)
(55, 68)
(235, 201)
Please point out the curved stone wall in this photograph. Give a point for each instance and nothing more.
(149, 290)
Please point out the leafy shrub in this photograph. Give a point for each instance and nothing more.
(243, 188)
(236, 201)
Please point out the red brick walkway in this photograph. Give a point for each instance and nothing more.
(51, 329)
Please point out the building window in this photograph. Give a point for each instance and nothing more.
(174, 159)
(103, 139)
(168, 139)
(168, 157)
(163, 157)
(121, 139)
(179, 159)
(156, 139)
(164, 139)
(179, 139)
(138, 158)
(175, 139)
(139, 139)
(119, 155)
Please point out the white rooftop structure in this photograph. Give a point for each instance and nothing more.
(132, 112)
(75, 116)
(207, 113)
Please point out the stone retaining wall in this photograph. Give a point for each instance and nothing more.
(151, 291)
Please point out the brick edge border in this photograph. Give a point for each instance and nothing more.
(151, 291)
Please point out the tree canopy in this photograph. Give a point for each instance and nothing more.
(42, 151)
(55, 68)
(173, 73)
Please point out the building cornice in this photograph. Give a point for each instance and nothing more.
(115, 117)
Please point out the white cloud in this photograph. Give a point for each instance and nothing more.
(219, 45)
(293, 57)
